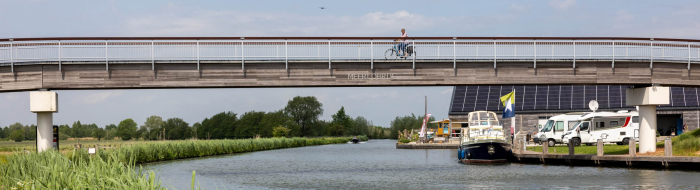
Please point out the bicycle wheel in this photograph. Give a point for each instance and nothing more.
(390, 54)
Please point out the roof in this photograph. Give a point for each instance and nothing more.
(607, 114)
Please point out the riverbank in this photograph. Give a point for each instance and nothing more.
(114, 168)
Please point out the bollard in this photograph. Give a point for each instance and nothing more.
(524, 146)
(545, 148)
(600, 147)
(633, 148)
(571, 147)
(668, 147)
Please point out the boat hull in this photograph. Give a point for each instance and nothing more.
(486, 152)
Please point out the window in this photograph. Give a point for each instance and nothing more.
(584, 126)
(600, 124)
(635, 119)
(572, 124)
(613, 123)
(559, 126)
(548, 126)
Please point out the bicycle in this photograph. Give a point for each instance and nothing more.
(393, 52)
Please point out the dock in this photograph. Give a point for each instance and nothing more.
(414, 145)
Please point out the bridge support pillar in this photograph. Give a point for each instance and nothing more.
(44, 104)
(647, 98)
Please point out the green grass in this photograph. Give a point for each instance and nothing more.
(119, 168)
(687, 144)
(607, 149)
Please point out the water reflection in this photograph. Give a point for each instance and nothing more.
(377, 164)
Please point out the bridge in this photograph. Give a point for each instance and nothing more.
(45, 64)
(209, 62)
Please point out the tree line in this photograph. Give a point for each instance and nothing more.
(408, 123)
(301, 117)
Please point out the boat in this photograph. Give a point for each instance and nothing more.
(483, 140)
(355, 140)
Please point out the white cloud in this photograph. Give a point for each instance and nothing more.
(623, 15)
(562, 4)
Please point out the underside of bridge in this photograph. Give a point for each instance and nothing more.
(234, 74)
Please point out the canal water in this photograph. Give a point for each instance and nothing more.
(377, 165)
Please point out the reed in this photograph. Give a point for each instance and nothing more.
(119, 168)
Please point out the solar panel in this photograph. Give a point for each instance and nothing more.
(589, 94)
(577, 101)
(541, 97)
(602, 96)
(565, 97)
(553, 97)
(482, 98)
(677, 97)
(519, 97)
(691, 96)
(614, 96)
(470, 98)
(529, 95)
(494, 98)
(458, 98)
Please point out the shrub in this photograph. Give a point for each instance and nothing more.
(63, 137)
(17, 135)
(281, 131)
(404, 141)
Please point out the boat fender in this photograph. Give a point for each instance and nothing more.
(460, 154)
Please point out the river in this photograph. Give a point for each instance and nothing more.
(376, 164)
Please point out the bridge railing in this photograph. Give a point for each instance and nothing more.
(61, 50)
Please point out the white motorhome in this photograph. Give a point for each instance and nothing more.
(620, 128)
(553, 131)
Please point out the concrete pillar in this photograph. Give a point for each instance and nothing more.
(647, 98)
(633, 148)
(44, 104)
(44, 131)
(647, 129)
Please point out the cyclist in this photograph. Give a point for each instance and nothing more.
(403, 43)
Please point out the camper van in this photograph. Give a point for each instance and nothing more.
(613, 127)
(553, 131)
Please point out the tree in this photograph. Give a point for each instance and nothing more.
(65, 130)
(111, 133)
(110, 127)
(154, 126)
(361, 126)
(409, 123)
(341, 123)
(177, 129)
(304, 111)
(77, 129)
(126, 129)
(275, 119)
(219, 126)
(98, 133)
(281, 131)
(248, 125)
(17, 135)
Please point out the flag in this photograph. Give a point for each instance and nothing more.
(422, 129)
(508, 105)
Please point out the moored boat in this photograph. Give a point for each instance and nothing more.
(483, 140)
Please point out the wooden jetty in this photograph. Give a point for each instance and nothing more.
(599, 159)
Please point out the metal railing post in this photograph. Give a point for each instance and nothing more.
(454, 52)
(613, 54)
(494, 53)
(688, 55)
(286, 57)
(574, 54)
(106, 56)
(153, 57)
(651, 53)
(242, 55)
(329, 54)
(59, 55)
(371, 54)
(12, 56)
(534, 58)
(198, 55)
(414, 53)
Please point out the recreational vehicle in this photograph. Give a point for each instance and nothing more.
(611, 127)
(553, 131)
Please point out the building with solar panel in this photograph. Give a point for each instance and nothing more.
(534, 104)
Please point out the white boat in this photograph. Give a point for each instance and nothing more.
(483, 141)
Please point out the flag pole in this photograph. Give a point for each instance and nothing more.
(512, 120)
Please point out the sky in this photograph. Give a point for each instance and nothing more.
(546, 18)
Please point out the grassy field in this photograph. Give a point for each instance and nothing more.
(119, 168)
(10, 146)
